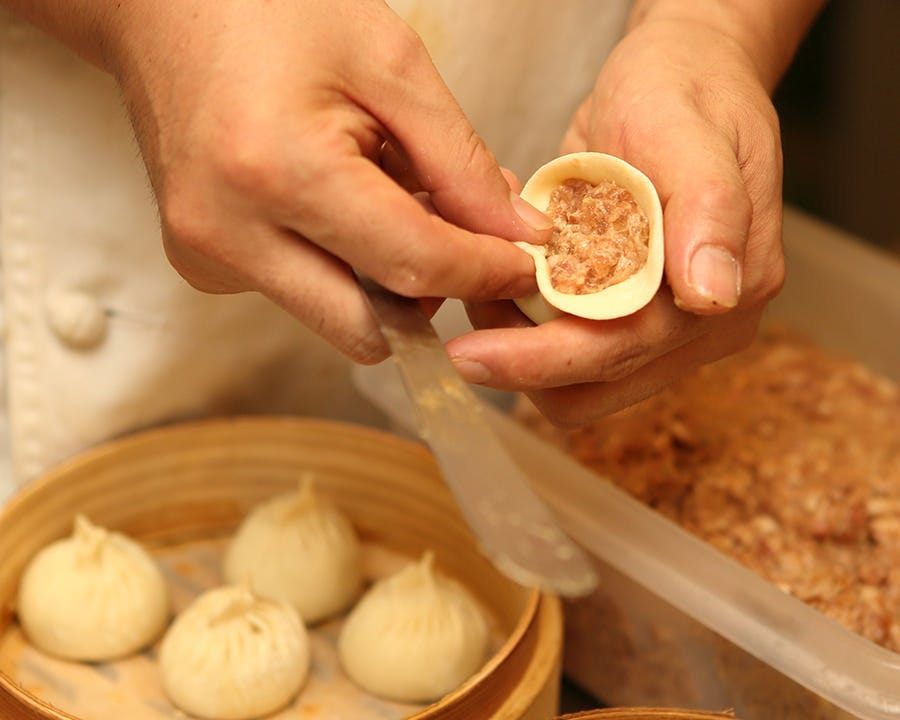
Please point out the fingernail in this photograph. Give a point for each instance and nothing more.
(472, 371)
(716, 275)
(533, 217)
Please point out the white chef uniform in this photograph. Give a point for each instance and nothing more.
(101, 337)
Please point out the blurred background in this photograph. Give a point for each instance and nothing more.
(840, 112)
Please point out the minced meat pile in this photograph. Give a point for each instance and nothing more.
(600, 236)
(783, 457)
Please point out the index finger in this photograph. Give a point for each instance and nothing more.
(363, 217)
(439, 146)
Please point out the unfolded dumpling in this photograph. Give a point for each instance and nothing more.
(606, 257)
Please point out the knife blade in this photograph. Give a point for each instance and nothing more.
(513, 527)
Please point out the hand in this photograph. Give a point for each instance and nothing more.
(684, 103)
(264, 126)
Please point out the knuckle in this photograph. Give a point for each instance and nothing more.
(249, 161)
(198, 246)
(200, 282)
(772, 137)
(727, 198)
(773, 279)
(618, 368)
(192, 272)
(366, 348)
(283, 177)
(248, 165)
(410, 283)
(402, 53)
(770, 123)
(186, 225)
(627, 358)
(355, 336)
(759, 148)
(473, 154)
(410, 276)
(766, 269)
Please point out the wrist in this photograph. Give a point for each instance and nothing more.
(767, 31)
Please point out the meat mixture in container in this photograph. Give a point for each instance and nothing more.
(785, 458)
(600, 236)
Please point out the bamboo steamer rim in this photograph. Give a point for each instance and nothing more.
(152, 435)
(639, 713)
(16, 703)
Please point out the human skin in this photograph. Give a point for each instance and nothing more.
(273, 131)
(685, 97)
(262, 127)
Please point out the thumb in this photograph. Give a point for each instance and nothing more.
(468, 188)
(706, 222)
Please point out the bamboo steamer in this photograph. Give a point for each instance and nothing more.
(179, 487)
(646, 714)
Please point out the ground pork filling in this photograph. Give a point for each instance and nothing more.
(785, 458)
(600, 236)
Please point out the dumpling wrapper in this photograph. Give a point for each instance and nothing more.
(617, 300)
(94, 596)
(414, 636)
(232, 655)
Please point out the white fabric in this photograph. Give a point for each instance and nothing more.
(102, 337)
(519, 68)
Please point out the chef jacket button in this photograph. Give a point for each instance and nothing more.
(76, 318)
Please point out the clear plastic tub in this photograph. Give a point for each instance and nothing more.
(677, 623)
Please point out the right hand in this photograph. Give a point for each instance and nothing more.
(263, 127)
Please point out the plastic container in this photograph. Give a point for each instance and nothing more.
(677, 623)
(645, 714)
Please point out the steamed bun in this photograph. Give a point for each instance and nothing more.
(414, 636)
(232, 655)
(96, 595)
(299, 548)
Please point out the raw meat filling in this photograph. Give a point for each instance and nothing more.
(600, 236)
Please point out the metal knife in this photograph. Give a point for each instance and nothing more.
(512, 525)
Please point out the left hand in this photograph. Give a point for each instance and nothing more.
(684, 103)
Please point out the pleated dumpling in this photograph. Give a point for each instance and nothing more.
(232, 655)
(414, 636)
(96, 595)
(300, 548)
